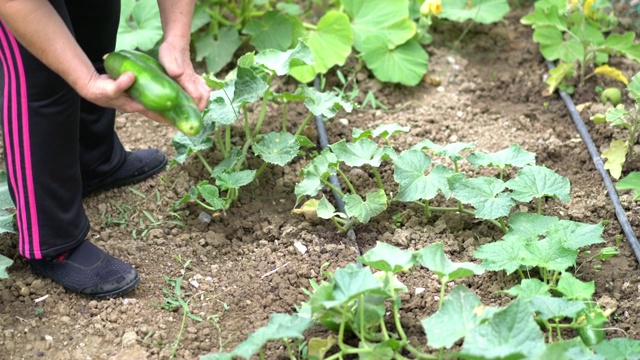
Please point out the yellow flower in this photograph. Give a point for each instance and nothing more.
(588, 12)
(431, 7)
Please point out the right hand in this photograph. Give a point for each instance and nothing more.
(106, 92)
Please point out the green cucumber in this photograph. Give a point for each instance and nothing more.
(185, 116)
(155, 90)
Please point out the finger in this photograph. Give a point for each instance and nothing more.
(125, 81)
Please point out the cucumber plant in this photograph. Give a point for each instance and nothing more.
(619, 116)
(579, 35)
(361, 309)
(250, 83)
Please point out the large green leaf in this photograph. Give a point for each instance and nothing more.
(282, 62)
(277, 148)
(510, 334)
(374, 204)
(217, 51)
(5, 262)
(363, 152)
(413, 184)
(405, 64)
(538, 182)
(387, 257)
(333, 32)
(273, 30)
(454, 320)
(387, 20)
(140, 25)
(433, 258)
(485, 194)
(514, 155)
(480, 11)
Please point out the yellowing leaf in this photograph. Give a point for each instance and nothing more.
(588, 11)
(611, 72)
(309, 210)
(556, 76)
(615, 155)
(431, 7)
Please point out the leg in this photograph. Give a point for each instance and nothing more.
(40, 120)
(103, 161)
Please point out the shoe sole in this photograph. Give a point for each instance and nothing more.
(128, 181)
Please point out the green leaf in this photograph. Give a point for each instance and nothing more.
(5, 198)
(452, 151)
(549, 254)
(549, 16)
(277, 148)
(630, 182)
(548, 307)
(7, 222)
(615, 157)
(619, 349)
(634, 87)
(235, 180)
(527, 225)
(211, 195)
(514, 155)
(326, 211)
(575, 289)
(454, 320)
(409, 172)
(187, 145)
(554, 47)
(405, 64)
(485, 194)
(385, 257)
(271, 31)
(280, 326)
(234, 156)
(364, 210)
(225, 104)
(479, 11)
(538, 182)
(510, 334)
(5, 263)
(332, 32)
(433, 258)
(386, 19)
(217, 51)
(318, 170)
(507, 254)
(281, 62)
(324, 104)
(529, 288)
(351, 281)
(572, 349)
(140, 26)
(575, 235)
(383, 131)
(365, 151)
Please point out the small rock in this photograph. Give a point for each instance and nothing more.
(419, 290)
(204, 217)
(300, 247)
(344, 121)
(129, 339)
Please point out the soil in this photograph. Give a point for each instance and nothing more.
(243, 264)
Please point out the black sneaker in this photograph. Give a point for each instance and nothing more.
(138, 166)
(88, 270)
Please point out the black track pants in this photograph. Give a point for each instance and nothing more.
(54, 140)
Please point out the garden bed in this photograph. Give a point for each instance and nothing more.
(243, 264)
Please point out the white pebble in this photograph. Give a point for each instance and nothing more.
(300, 247)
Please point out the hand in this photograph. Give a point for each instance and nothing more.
(177, 62)
(106, 92)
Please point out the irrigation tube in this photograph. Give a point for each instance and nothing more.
(595, 156)
(333, 179)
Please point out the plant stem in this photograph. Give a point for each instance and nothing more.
(284, 116)
(337, 224)
(419, 354)
(204, 162)
(539, 206)
(219, 143)
(227, 138)
(263, 109)
(289, 350)
(521, 273)
(330, 185)
(260, 170)
(303, 125)
(396, 315)
(346, 180)
(442, 288)
(378, 179)
(199, 202)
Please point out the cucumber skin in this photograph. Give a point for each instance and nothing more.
(185, 115)
(153, 89)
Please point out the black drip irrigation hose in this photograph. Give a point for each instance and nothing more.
(595, 156)
(333, 179)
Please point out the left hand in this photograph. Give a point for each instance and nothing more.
(177, 62)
